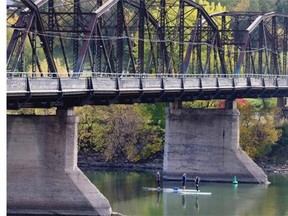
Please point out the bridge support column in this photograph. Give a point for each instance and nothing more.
(205, 142)
(281, 102)
(42, 173)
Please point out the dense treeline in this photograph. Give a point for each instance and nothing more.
(255, 5)
(136, 132)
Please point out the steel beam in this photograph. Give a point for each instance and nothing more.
(88, 35)
(40, 28)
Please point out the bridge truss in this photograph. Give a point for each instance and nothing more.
(146, 51)
(144, 36)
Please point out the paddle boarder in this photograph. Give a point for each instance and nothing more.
(197, 180)
(184, 181)
(158, 179)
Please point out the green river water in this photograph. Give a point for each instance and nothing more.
(124, 190)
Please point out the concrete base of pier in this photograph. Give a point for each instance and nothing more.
(42, 173)
(205, 143)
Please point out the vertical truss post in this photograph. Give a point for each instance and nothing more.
(223, 26)
(181, 37)
(98, 40)
(34, 52)
(199, 50)
(161, 29)
(75, 29)
(93, 52)
(274, 53)
(247, 58)
(260, 47)
(141, 37)
(22, 61)
(236, 32)
(285, 45)
(120, 28)
(211, 37)
(35, 59)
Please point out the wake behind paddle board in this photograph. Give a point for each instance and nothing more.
(152, 189)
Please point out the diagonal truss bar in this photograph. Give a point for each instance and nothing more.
(258, 22)
(204, 13)
(190, 46)
(87, 37)
(34, 7)
(214, 27)
(23, 20)
(21, 46)
(106, 55)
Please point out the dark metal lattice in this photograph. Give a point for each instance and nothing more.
(143, 36)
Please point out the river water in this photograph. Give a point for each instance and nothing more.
(124, 190)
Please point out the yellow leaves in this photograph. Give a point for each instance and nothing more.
(118, 131)
(212, 7)
(243, 5)
(12, 19)
(44, 66)
(257, 130)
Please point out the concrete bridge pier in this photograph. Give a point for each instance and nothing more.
(42, 173)
(205, 142)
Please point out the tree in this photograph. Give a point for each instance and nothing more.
(282, 6)
(257, 128)
(279, 152)
(203, 104)
(119, 132)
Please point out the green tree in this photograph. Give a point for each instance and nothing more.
(202, 104)
(156, 113)
(282, 6)
(279, 152)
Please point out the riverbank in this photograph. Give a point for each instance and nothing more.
(92, 162)
(271, 168)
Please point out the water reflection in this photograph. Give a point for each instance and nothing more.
(197, 203)
(125, 194)
(184, 201)
(158, 198)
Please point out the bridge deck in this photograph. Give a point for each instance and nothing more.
(64, 91)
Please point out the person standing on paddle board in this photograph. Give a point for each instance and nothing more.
(197, 180)
(184, 181)
(158, 179)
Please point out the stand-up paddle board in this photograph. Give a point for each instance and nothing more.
(195, 193)
(177, 190)
(168, 190)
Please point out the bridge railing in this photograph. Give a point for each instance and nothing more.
(133, 75)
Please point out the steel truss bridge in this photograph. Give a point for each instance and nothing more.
(128, 51)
